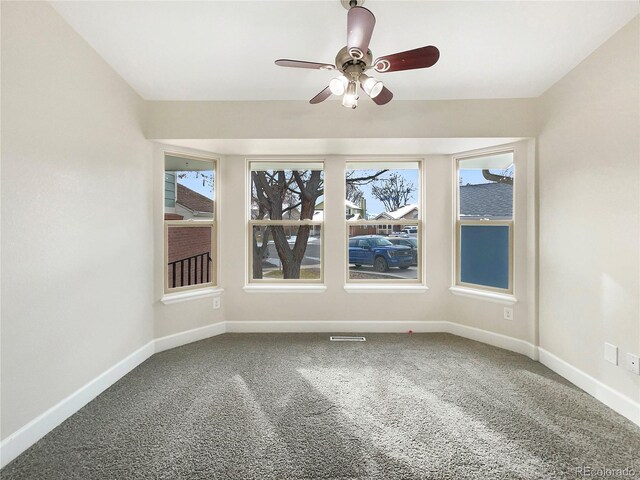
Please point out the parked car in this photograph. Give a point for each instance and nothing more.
(409, 232)
(411, 242)
(379, 252)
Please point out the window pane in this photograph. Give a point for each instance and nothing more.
(375, 255)
(382, 191)
(286, 194)
(486, 187)
(190, 259)
(286, 252)
(484, 255)
(188, 188)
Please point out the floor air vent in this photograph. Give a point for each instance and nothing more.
(347, 338)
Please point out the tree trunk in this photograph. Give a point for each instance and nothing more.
(258, 251)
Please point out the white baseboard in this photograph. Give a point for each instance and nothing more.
(188, 336)
(20, 440)
(495, 339)
(618, 402)
(346, 326)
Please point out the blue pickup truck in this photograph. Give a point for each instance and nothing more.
(378, 251)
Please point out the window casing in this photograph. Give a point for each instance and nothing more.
(484, 222)
(286, 210)
(190, 257)
(385, 264)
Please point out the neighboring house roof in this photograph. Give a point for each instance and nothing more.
(486, 200)
(193, 200)
(351, 205)
(399, 213)
(318, 215)
(347, 203)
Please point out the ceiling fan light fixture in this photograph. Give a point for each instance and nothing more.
(338, 85)
(350, 99)
(370, 85)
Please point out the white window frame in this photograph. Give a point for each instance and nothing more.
(187, 291)
(284, 285)
(390, 284)
(458, 285)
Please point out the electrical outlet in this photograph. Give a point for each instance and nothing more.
(633, 363)
(611, 353)
(508, 313)
(216, 302)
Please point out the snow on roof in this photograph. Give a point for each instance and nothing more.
(352, 205)
(399, 213)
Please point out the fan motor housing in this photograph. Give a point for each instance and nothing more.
(344, 60)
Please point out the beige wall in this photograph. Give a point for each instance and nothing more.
(335, 303)
(437, 304)
(490, 316)
(74, 162)
(589, 156)
(294, 119)
(77, 262)
(178, 317)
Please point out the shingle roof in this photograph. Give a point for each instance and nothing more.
(193, 200)
(486, 200)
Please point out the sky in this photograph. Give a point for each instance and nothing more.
(375, 206)
(190, 181)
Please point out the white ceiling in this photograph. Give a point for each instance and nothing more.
(222, 50)
(341, 146)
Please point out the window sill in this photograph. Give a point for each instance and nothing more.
(503, 298)
(284, 288)
(385, 288)
(178, 297)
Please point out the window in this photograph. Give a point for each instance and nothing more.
(285, 226)
(384, 228)
(484, 222)
(189, 222)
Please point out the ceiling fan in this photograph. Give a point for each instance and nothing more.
(355, 59)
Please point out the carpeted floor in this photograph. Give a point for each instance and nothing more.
(295, 406)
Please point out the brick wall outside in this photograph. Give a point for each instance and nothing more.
(185, 242)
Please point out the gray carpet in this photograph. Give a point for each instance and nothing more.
(294, 406)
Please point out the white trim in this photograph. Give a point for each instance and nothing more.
(384, 326)
(274, 288)
(503, 298)
(618, 402)
(178, 297)
(20, 440)
(188, 336)
(338, 326)
(496, 339)
(378, 288)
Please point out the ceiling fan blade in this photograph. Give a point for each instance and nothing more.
(422, 57)
(284, 62)
(360, 23)
(383, 97)
(321, 97)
